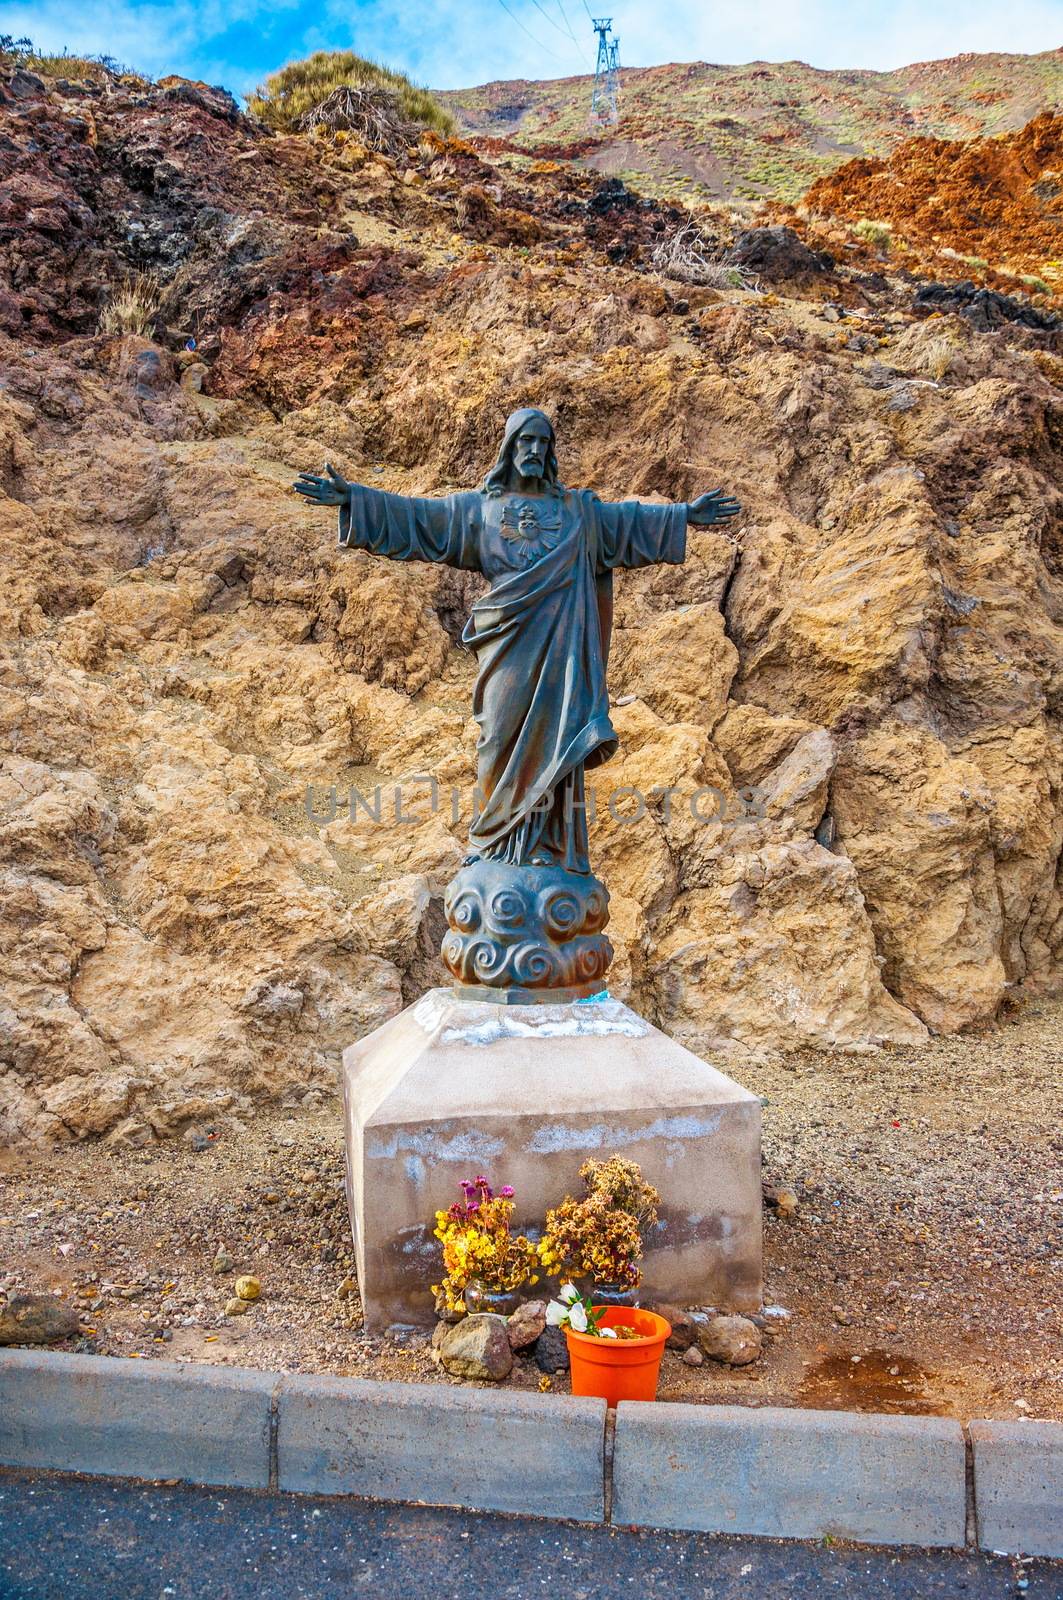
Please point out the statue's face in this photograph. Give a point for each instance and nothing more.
(530, 448)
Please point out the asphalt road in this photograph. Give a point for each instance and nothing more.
(98, 1539)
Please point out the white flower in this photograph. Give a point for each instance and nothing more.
(569, 1293)
(607, 1333)
(577, 1317)
(555, 1314)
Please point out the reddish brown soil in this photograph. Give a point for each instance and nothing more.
(1000, 199)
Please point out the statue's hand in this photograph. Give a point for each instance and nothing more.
(716, 506)
(328, 491)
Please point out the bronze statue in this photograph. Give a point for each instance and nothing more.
(525, 912)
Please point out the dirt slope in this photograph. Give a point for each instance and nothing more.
(763, 130)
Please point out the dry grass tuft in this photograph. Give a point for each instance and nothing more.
(686, 255)
(134, 307)
(877, 234)
(23, 53)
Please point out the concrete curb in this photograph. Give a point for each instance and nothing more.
(777, 1473)
(789, 1474)
(542, 1455)
(135, 1419)
(1018, 1471)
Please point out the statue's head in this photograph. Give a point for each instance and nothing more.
(527, 449)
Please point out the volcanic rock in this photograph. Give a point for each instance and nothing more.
(734, 1340)
(477, 1347)
(777, 254)
(526, 1324)
(984, 309)
(37, 1319)
(551, 1351)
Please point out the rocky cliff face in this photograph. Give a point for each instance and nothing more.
(862, 683)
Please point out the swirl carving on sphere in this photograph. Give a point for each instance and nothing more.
(591, 960)
(595, 911)
(507, 908)
(485, 958)
(561, 911)
(537, 966)
(465, 910)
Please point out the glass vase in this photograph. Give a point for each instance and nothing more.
(478, 1298)
(612, 1294)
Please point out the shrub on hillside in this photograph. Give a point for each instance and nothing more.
(133, 307)
(22, 54)
(297, 91)
(877, 234)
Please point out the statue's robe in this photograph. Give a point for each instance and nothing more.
(541, 637)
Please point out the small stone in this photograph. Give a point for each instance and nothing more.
(223, 1261)
(236, 1307)
(841, 1316)
(347, 1289)
(551, 1351)
(402, 1333)
(684, 1332)
(731, 1339)
(692, 1357)
(248, 1288)
(526, 1324)
(37, 1319)
(477, 1347)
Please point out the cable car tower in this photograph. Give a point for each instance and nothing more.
(605, 96)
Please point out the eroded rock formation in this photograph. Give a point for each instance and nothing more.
(843, 720)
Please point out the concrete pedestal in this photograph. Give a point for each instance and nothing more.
(450, 1088)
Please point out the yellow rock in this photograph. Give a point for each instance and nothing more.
(248, 1288)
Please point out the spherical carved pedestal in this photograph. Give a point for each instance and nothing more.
(526, 934)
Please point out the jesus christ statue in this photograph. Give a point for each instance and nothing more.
(540, 634)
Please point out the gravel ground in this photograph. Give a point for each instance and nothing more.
(923, 1269)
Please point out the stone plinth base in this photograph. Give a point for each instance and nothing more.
(451, 1088)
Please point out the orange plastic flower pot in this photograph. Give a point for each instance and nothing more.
(619, 1369)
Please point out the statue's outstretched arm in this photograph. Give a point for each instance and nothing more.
(398, 526)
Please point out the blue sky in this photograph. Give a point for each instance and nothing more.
(453, 43)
